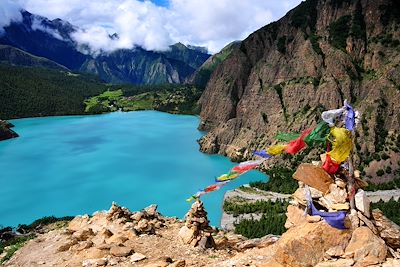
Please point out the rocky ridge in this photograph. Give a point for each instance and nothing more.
(286, 73)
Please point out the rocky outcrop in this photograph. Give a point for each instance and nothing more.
(283, 75)
(5, 130)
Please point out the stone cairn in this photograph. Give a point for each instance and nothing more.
(331, 194)
(197, 231)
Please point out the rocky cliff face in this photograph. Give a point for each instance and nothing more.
(5, 130)
(286, 73)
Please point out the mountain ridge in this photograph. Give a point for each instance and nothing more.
(286, 73)
(53, 39)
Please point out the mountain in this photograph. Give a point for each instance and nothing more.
(5, 130)
(53, 39)
(202, 75)
(14, 56)
(319, 54)
(45, 38)
(138, 66)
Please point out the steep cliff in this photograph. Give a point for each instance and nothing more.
(286, 73)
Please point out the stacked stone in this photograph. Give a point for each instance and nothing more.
(146, 221)
(371, 233)
(197, 231)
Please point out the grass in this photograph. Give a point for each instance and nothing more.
(13, 246)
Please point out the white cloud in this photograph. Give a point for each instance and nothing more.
(210, 23)
(9, 12)
(37, 25)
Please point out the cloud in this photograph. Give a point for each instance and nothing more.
(9, 12)
(207, 23)
(37, 25)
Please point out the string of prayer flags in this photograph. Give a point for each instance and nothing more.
(341, 144)
(247, 165)
(276, 149)
(286, 137)
(318, 135)
(349, 120)
(262, 153)
(330, 116)
(208, 189)
(229, 176)
(329, 166)
(298, 144)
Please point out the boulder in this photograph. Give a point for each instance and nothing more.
(120, 251)
(295, 216)
(94, 262)
(362, 203)
(366, 248)
(180, 263)
(313, 176)
(151, 210)
(367, 222)
(388, 230)
(186, 234)
(391, 263)
(305, 245)
(137, 257)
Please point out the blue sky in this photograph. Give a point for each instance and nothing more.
(155, 24)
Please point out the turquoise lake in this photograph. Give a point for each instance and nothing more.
(80, 164)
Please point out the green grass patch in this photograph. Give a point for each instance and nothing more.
(390, 209)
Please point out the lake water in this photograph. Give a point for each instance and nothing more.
(80, 164)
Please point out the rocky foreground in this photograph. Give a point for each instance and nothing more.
(119, 237)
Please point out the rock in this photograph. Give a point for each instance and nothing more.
(362, 203)
(391, 263)
(366, 248)
(336, 263)
(135, 257)
(313, 219)
(336, 195)
(5, 131)
(83, 235)
(186, 234)
(84, 245)
(78, 223)
(106, 233)
(305, 245)
(256, 242)
(367, 222)
(67, 245)
(313, 176)
(335, 251)
(120, 251)
(340, 183)
(151, 210)
(94, 262)
(342, 206)
(95, 253)
(353, 216)
(158, 264)
(206, 242)
(137, 216)
(388, 230)
(180, 263)
(117, 239)
(295, 216)
(299, 196)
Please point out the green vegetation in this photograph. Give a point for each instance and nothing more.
(13, 245)
(395, 184)
(17, 242)
(315, 44)
(234, 208)
(180, 99)
(282, 44)
(390, 209)
(305, 15)
(339, 31)
(271, 222)
(280, 180)
(30, 92)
